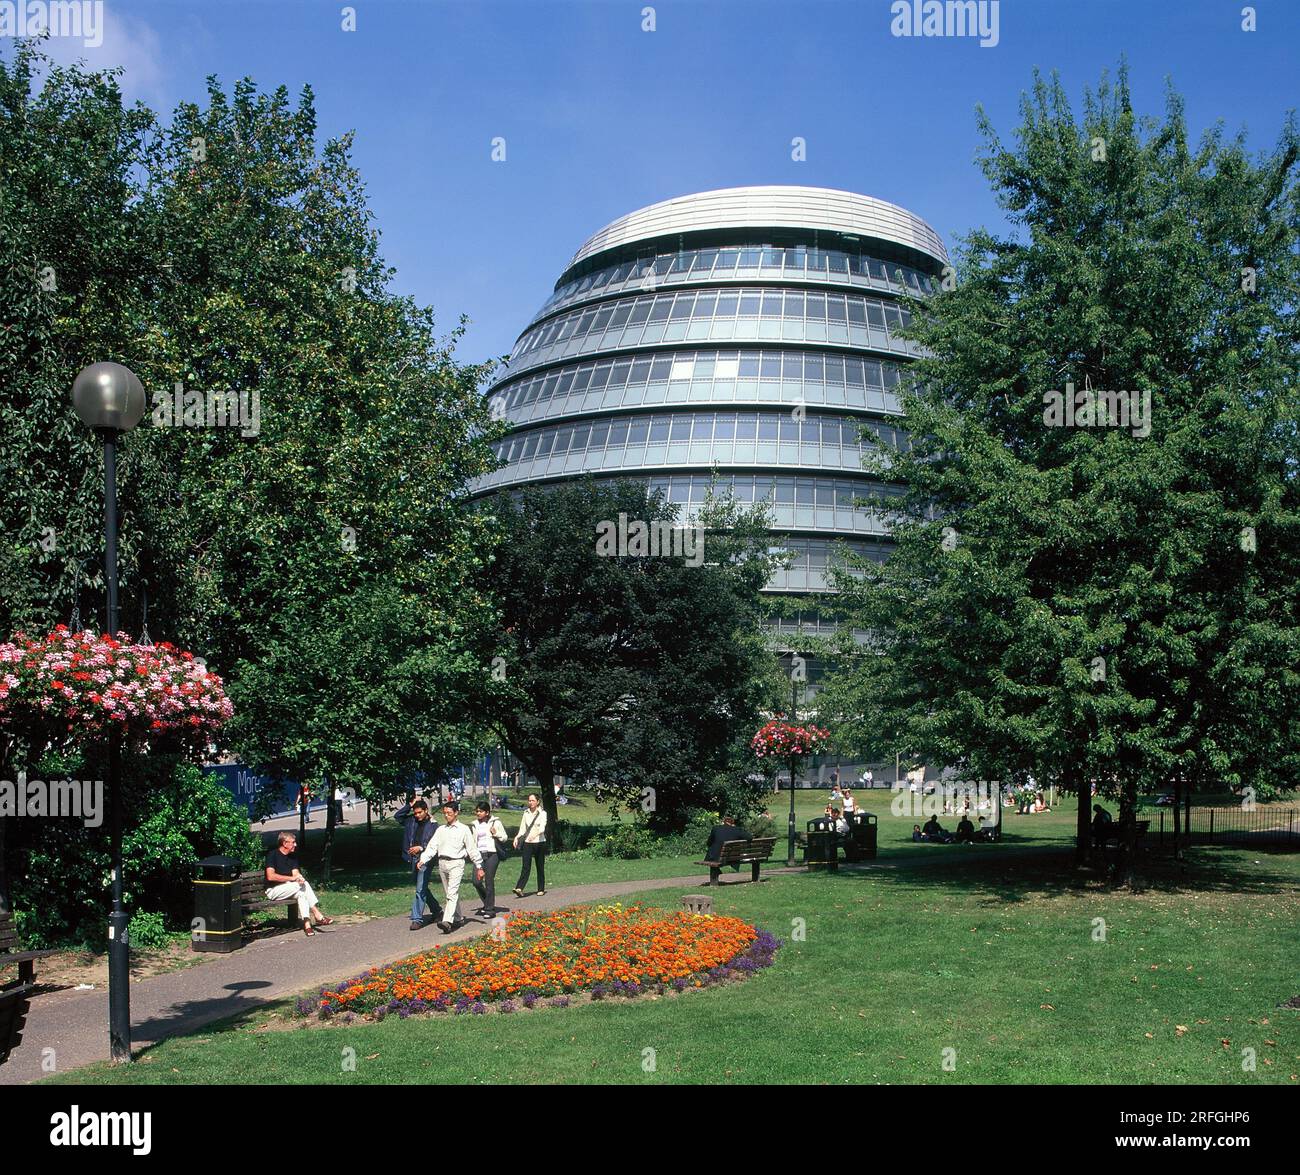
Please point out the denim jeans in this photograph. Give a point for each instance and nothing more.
(423, 896)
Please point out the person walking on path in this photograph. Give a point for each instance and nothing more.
(285, 880)
(532, 832)
(449, 846)
(490, 834)
(418, 829)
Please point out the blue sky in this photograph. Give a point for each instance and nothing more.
(601, 117)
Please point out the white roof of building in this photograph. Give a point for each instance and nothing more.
(769, 206)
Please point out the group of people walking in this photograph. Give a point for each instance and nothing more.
(449, 846)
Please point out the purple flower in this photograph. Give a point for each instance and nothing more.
(441, 1004)
(506, 1006)
(462, 1005)
(478, 1009)
(560, 1001)
(348, 1018)
(679, 984)
(304, 1006)
(418, 1007)
(529, 1000)
(597, 992)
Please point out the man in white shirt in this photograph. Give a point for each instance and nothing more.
(449, 846)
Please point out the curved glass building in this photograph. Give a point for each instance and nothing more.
(749, 334)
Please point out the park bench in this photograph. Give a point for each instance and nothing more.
(15, 995)
(1114, 834)
(741, 852)
(252, 896)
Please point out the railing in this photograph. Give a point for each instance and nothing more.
(1258, 825)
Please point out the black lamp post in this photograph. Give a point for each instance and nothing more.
(794, 717)
(110, 399)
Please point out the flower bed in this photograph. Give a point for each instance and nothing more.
(547, 959)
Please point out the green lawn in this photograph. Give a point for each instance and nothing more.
(995, 955)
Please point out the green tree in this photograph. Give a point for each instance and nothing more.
(638, 673)
(320, 553)
(1118, 602)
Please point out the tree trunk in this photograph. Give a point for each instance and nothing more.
(1073, 777)
(1178, 799)
(1126, 874)
(6, 745)
(327, 857)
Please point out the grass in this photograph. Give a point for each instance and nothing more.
(999, 957)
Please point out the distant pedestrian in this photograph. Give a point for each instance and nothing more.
(449, 846)
(418, 830)
(491, 836)
(532, 834)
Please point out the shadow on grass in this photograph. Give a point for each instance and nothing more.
(1030, 874)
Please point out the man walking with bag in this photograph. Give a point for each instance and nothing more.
(449, 846)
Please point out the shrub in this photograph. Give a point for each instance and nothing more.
(147, 931)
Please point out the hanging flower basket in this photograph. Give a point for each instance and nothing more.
(783, 740)
(85, 685)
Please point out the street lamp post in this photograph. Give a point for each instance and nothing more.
(110, 400)
(794, 717)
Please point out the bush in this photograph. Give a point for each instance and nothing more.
(147, 931)
(637, 841)
(173, 816)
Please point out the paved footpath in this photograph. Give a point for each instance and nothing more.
(75, 1023)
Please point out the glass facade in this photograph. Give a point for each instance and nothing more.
(751, 338)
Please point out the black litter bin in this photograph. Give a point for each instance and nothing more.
(861, 842)
(218, 910)
(821, 851)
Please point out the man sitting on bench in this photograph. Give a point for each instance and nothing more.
(284, 880)
(719, 836)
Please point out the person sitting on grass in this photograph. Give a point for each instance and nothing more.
(285, 880)
(719, 835)
(935, 833)
(917, 835)
(965, 829)
(1039, 806)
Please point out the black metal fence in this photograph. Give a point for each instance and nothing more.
(1257, 825)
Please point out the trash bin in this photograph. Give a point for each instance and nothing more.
(862, 837)
(218, 910)
(821, 851)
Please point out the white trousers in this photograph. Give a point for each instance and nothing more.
(289, 889)
(451, 872)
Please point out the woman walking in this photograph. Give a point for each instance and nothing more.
(532, 832)
(491, 835)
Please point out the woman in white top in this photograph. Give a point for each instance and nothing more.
(491, 835)
(532, 832)
(850, 804)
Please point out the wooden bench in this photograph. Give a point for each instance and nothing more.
(1114, 833)
(741, 852)
(15, 996)
(252, 896)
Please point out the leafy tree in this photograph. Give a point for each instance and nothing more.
(1108, 604)
(320, 553)
(635, 672)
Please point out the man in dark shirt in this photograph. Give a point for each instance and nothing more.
(417, 832)
(720, 834)
(965, 829)
(284, 880)
(934, 831)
